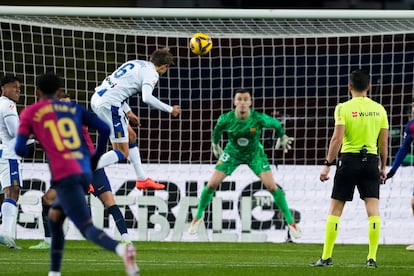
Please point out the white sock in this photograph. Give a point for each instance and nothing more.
(53, 273)
(9, 211)
(135, 159)
(120, 250)
(125, 237)
(108, 158)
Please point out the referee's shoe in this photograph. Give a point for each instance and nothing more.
(371, 263)
(320, 262)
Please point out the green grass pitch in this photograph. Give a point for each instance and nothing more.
(199, 259)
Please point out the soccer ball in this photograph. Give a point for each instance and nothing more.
(201, 44)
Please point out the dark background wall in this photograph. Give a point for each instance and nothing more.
(320, 4)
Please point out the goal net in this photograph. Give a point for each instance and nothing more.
(296, 63)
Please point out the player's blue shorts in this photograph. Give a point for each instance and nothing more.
(10, 173)
(100, 182)
(114, 116)
(71, 200)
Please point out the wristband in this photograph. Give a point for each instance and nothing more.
(327, 163)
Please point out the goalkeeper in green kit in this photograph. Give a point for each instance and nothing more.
(244, 128)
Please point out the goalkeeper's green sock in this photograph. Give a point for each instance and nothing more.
(331, 232)
(205, 199)
(280, 201)
(374, 231)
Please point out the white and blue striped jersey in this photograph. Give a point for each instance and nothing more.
(132, 77)
(9, 123)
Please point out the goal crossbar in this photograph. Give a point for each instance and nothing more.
(229, 23)
(206, 12)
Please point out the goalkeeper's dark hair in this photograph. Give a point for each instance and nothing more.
(242, 90)
(49, 83)
(8, 79)
(161, 57)
(360, 79)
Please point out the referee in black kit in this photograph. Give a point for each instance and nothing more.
(360, 134)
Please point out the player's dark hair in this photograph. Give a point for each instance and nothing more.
(242, 90)
(63, 95)
(360, 80)
(8, 79)
(161, 57)
(49, 83)
(409, 109)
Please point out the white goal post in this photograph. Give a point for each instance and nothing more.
(296, 63)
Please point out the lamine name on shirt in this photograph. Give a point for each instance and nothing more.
(53, 108)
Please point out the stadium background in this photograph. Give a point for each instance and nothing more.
(298, 80)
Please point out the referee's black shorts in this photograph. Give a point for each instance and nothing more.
(353, 171)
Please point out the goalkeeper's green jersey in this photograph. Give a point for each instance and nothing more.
(244, 135)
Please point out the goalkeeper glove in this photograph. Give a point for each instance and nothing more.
(284, 142)
(217, 150)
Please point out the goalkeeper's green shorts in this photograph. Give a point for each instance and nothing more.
(257, 162)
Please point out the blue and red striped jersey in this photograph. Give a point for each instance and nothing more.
(58, 126)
